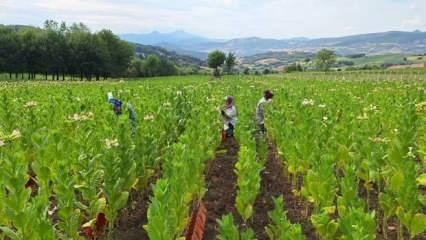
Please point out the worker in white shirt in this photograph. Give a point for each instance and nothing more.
(229, 114)
(260, 110)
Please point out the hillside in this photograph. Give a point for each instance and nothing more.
(178, 41)
(181, 60)
(393, 42)
(371, 44)
(278, 60)
(274, 59)
(377, 60)
(18, 27)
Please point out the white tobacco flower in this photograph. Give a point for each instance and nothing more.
(421, 107)
(371, 108)
(30, 104)
(2, 143)
(179, 93)
(378, 139)
(89, 115)
(325, 118)
(149, 117)
(322, 106)
(364, 116)
(81, 117)
(74, 118)
(411, 153)
(210, 99)
(110, 143)
(167, 104)
(308, 102)
(15, 134)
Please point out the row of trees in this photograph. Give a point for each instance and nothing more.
(218, 59)
(152, 66)
(325, 59)
(60, 50)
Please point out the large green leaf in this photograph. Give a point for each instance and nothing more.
(418, 224)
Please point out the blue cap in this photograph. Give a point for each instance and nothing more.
(115, 102)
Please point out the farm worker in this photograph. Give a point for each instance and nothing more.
(117, 108)
(260, 108)
(229, 114)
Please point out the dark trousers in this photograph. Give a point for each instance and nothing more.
(261, 128)
(230, 130)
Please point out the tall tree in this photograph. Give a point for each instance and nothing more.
(75, 38)
(151, 66)
(325, 59)
(56, 49)
(33, 52)
(230, 62)
(215, 60)
(120, 53)
(167, 68)
(136, 68)
(9, 51)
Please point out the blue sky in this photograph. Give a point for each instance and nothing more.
(226, 18)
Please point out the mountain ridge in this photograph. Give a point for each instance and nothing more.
(369, 43)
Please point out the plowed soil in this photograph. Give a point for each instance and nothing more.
(221, 182)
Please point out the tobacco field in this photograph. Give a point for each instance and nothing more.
(343, 158)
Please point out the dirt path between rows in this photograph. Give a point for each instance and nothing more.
(132, 218)
(221, 182)
(275, 182)
(392, 223)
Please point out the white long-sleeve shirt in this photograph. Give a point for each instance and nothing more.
(230, 117)
(260, 111)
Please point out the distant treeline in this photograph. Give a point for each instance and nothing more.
(58, 50)
(152, 66)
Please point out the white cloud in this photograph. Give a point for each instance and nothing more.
(414, 22)
(4, 3)
(225, 18)
(348, 28)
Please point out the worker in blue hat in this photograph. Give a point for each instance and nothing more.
(117, 108)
